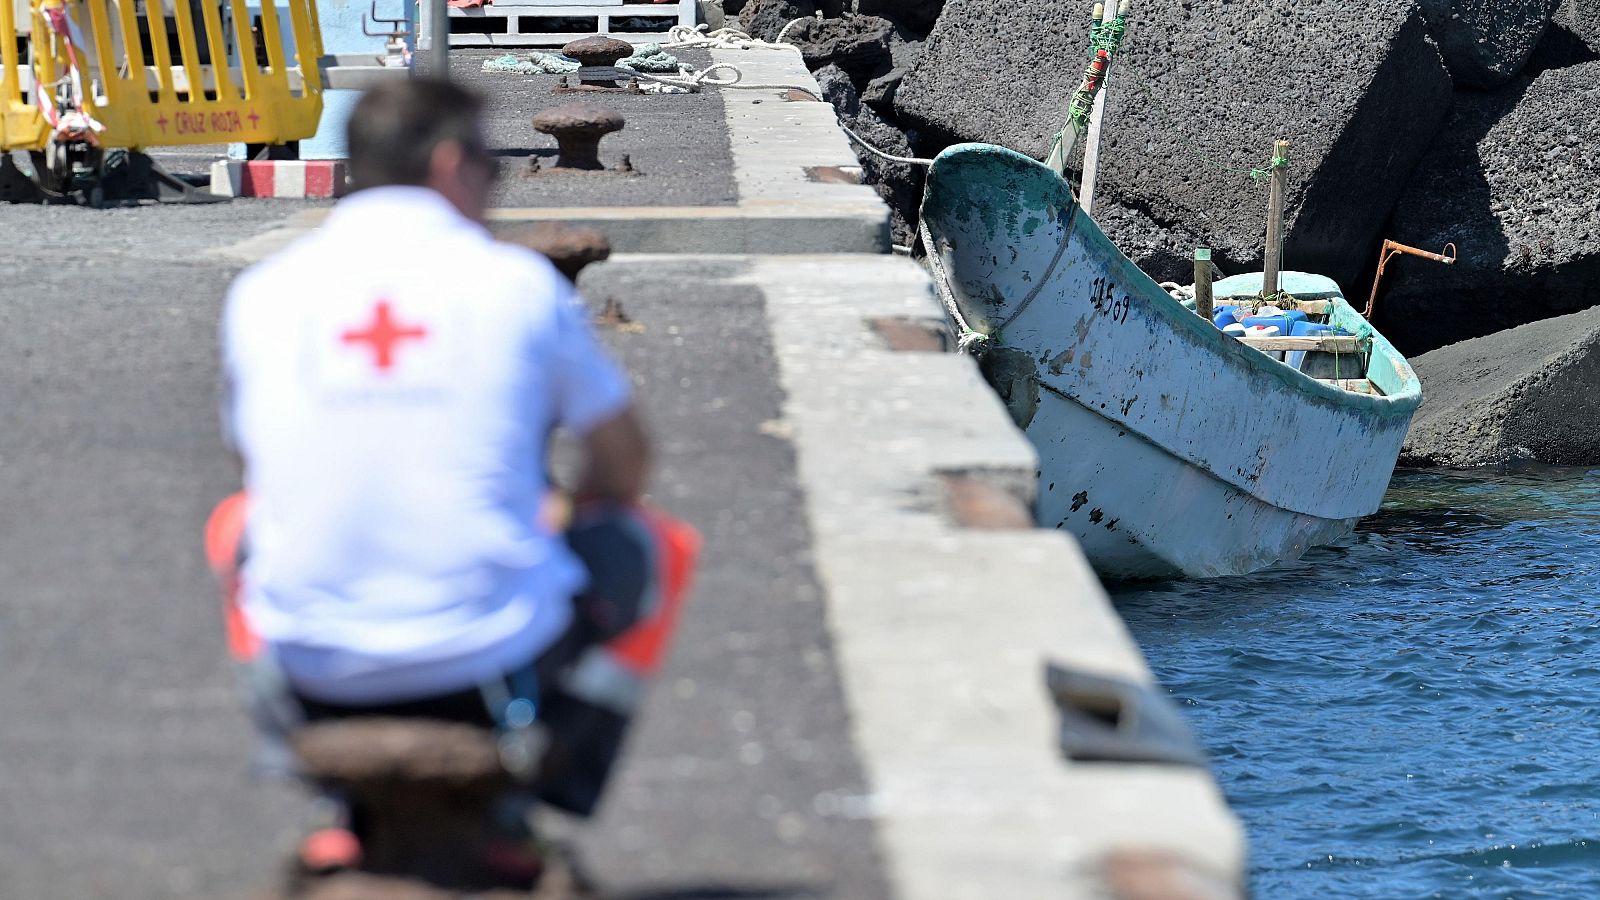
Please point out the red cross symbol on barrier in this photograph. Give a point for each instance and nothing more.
(162, 121)
(253, 118)
(384, 335)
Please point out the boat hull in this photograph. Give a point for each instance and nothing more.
(1173, 519)
(1164, 445)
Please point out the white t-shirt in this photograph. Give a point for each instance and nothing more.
(393, 379)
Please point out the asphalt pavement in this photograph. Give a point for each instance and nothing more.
(122, 742)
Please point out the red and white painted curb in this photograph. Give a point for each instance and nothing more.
(284, 179)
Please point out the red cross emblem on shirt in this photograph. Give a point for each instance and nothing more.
(384, 335)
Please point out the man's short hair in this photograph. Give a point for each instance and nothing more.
(396, 126)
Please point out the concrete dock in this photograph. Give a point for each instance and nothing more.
(856, 705)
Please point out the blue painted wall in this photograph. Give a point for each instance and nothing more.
(341, 33)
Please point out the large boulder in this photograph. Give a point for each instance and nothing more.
(1572, 37)
(917, 15)
(765, 19)
(1485, 42)
(1530, 393)
(899, 184)
(1200, 91)
(1581, 18)
(904, 51)
(857, 44)
(1511, 182)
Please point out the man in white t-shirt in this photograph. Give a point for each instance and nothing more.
(392, 383)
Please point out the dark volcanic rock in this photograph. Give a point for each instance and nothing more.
(1531, 393)
(1201, 90)
(879, 92)
(1485, 42)
(857, 44)
(1511, 182)
(838, 90)
(1164, 250)
(1581, 18)
(904, 51)
(899, 184)
(917, 15)
(765, 18)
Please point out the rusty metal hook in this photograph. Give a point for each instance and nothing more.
(1390, 250)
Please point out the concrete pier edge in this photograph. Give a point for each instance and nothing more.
(943, 631)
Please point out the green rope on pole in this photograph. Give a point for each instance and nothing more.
(1105, 42)
(1105, 36)
(1108, 35)
(1278, 162)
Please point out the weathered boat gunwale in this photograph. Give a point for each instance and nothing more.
(1401, 402)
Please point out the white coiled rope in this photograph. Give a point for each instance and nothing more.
(680, 37)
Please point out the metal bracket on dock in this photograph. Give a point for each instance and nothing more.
(1105, 719)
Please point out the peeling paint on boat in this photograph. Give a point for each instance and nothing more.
(1241, 462)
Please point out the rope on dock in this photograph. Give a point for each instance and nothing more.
(680, 37)
(645, 58)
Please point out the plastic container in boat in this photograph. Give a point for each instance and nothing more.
(1225, 316)
(1311, 329)
(1234, 329)
(1283, 321)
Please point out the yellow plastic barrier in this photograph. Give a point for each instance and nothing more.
(268, 91)
(20, 123)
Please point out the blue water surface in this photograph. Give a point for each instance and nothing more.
(1414, 712)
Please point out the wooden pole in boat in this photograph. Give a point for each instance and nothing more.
(1280, 187)
(1091, 149)
(1202, 282)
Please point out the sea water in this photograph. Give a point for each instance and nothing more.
(1414, 712)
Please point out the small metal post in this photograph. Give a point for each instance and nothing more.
(1280, 186)
(438, 13)
(1202, 282)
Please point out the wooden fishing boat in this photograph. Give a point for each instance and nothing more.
(1166, 446)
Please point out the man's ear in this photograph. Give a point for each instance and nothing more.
(446, 161)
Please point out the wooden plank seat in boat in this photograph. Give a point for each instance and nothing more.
(1326, 343)
(1353, 385)
(1309, 307)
